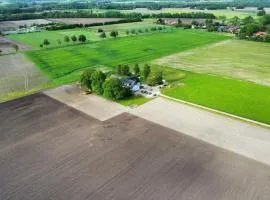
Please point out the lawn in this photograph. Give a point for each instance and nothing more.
(241, 98)
(134, 101)
(35, 39)
(67, 62)
(238, 59)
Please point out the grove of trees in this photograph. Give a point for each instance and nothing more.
(110, 88)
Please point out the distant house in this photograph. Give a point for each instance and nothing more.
(133, 82)
(260, 34)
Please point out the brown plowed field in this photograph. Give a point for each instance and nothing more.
(51, 151)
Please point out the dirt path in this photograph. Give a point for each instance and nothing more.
(92, 105)
(239, 137)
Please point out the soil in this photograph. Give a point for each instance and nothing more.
(51, 151)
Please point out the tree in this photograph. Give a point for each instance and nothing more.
(41, 45)
(46, 42)
(119, 69)
(235, 21)
(265, 19)
(85, 79)
(66, 39)
(146, 71)
(136, 69)
(250, 29)
(103, 35)
(74, 38)
(82, 38)
(97, 78)
(261, 13)
(114, 89)
(248, 20)
(155, 80)
(160, 21)
(114, 34)
(15, 47)
(59, 42)
(125, 70)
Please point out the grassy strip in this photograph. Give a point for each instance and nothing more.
(134, 101)
(18, 94)
(244, 99)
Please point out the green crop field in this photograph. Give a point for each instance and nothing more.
(245, 99)
(238, 59)
(222, 12)
(37, 38)
(64, 64)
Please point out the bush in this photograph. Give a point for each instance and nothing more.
(133, 31)
(103, 35)
(153, 28)
(127, 32)
(97, 78)
(267, 38)
(100, 30)
(114, 89)
(114, 34)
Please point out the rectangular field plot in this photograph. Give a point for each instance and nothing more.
(18, 74)
(232, 58)
(64, 62)
(241, 98)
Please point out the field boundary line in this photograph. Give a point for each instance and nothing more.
(217, 111)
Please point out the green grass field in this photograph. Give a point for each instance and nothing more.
(64, 64)
(238, 59)
(134, 101)
(241, 98)
(227, 13)
(37, 38)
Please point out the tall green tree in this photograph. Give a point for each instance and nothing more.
(74, 38)
(82, 38)
(59, 42)
(46, 42)
(85, 79)
(136, 69)
(97, 78)
(146, 71)
(125, 70)
(66, 39)
(114, 89)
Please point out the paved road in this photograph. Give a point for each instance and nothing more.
(49, 150)
(234, 135)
